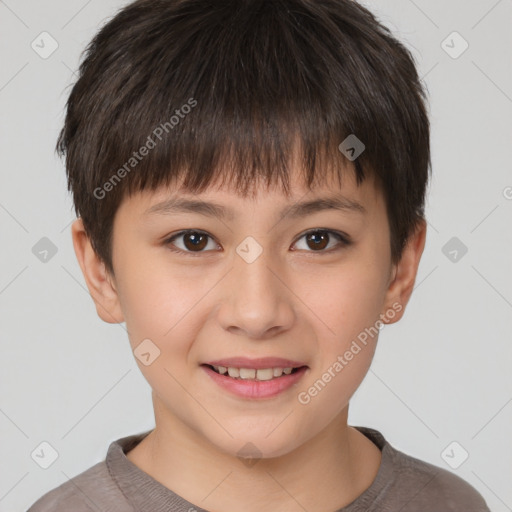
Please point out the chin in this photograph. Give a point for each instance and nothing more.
(253, 442)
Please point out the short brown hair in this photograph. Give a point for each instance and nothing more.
(237, 82)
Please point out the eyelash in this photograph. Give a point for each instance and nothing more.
(344, 241)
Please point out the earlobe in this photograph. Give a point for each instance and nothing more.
(98, 280)
(405, 271)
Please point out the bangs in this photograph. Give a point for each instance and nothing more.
(242, 155)
(229, 100)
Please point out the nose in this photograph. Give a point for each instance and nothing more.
(259, 301)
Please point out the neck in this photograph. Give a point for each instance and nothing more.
(326, 473)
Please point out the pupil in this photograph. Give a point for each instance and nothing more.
(195, 238)
(321, 236)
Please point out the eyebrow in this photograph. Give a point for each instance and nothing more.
(212, 209)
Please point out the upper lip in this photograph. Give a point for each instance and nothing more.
(261, 362)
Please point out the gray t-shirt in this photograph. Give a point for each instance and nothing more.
(403, 483)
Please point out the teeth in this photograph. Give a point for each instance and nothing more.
(233, 372)
(252, 373)
(245, 373)
(265, 374)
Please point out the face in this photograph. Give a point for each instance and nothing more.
(310, 286)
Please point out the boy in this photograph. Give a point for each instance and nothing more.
(250, 177)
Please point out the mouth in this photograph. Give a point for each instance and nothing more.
(265, 382)
(254, 374)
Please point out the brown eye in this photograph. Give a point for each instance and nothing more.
(318, 239)
(193, 242)
(196, 242)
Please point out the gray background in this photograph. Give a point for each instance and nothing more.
(440, 375)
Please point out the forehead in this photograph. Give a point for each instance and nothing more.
(331, 191)
(226, 202)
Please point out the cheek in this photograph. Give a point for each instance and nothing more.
(156, 303)
(347, 298)
(349, 303)
(160, 308)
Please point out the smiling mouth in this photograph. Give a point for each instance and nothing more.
(260, 374)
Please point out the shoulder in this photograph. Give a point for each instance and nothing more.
(428, 487)
(409, 484)
(90, 491)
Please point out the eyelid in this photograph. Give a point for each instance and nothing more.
(342, 237)
(168, 242)
(344, 240)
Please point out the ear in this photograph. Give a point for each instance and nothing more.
(99, 281)
(403, 276)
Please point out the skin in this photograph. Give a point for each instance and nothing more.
(301, 304)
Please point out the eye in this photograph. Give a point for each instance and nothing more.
(194, 241)
(319, 239)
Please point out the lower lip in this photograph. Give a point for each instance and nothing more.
(256, 388)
